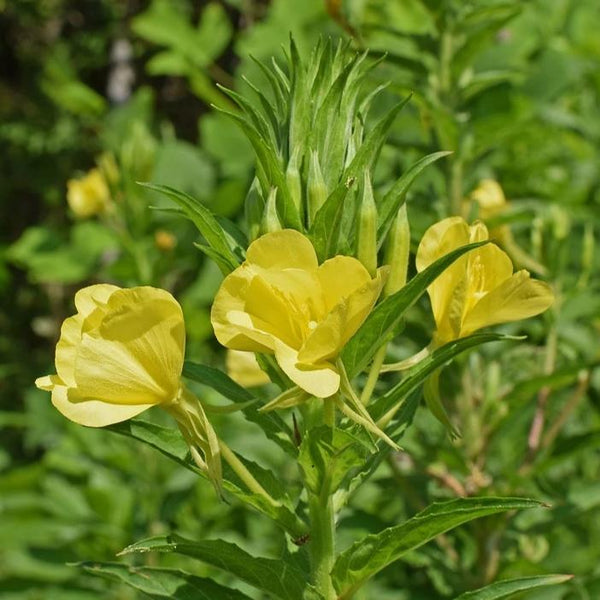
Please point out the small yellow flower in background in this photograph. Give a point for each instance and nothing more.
(88, 195)
(244, 369)
(164, 240)
(490, 198)
(480, 288)
(492, 202)
(119, 355)
(281, 301)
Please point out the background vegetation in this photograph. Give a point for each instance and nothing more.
(512, 88)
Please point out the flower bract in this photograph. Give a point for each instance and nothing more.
(480, 288)
(281, 301)
(119, 355)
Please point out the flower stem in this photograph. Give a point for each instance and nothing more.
(242, 472)
(373, 375)
(322, 544)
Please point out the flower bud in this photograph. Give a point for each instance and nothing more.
(317, 188)
(270, 219)
(397, 251)
(367, 228)
(292, 178)
(254, 206)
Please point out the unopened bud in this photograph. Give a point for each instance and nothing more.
(317, 188)
(367, 227)
(561, 222)
(292, 178)
(396, 252)
(270, 219)
(254, 206)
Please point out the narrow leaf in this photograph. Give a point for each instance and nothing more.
(368, 556)
(163, 583)
(278, 577)
(396, 196)
(416, 375)
(204, 220)
(382, 322)
(504, 589)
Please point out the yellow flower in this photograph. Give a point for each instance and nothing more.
(89, 195)
(490, 198)
(119, 355)
(244, 369)
(281, 301)
(480, 288)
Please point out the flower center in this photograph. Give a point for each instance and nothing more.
(312, 325)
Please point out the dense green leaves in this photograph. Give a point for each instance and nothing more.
(164, 583)
(278, 577)
(371, 554)
(505, 589)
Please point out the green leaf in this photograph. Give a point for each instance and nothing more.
(396, 196)
(273, 426)
(170, 443)
(271, 172)
(278, 577)
(380, 325)
(424, 368)
(163, 583)
(368, 556)
(326, 227)
(206, 223)
(504, 589)
(327, 457)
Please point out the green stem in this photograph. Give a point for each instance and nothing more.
(242, 472)
(322, 544)
(373, 375)
(329, 412)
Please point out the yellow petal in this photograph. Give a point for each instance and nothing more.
(232, 326)
(339, 277)
(490, 197)
(285, 249)
(441, 238)
(447, 291)
(244, 369)
(272, 312)
(48, 382)
(93, 296)
(333, 332)
(135, 355)
(66, 349)
(487, 268)
(320, 380)
(518, 297)
(93, 413)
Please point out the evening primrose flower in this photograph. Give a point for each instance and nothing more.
(121, 354)
(281, 301)
(480, 288)
(88, 195)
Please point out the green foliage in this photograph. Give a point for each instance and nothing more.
(509, 89)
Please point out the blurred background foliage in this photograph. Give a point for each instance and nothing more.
(511, 87)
